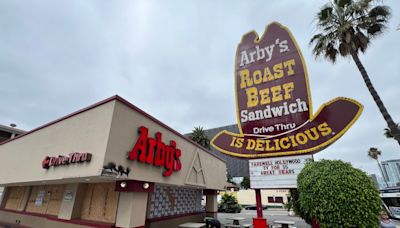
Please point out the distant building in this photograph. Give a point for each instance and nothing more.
(375, 180)
(378, 181)
(7, 133)
(269, 197)
(391, 171)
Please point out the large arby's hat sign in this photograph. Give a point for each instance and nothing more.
(273, 99)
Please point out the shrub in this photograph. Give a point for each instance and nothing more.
(295, 195)
(229, 204)
(337, 195)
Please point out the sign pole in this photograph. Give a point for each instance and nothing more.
(259, 206)
(259, 221)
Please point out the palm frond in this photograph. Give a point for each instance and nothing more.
(347, 26)
(344, 49)
(379, 11)
(375, 29)
(342, 3)
(388, 133)
(199, 136)
(325, 13)
(361, 41)
(374, 153)
(315, 37)
(331, 52)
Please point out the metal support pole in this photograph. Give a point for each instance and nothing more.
(259, 206)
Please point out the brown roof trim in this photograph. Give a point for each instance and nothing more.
(123, 101)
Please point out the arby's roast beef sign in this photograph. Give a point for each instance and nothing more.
(274, 108)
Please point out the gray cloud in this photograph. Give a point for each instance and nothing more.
(175, 61)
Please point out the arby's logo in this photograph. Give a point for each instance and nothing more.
(154, 151)
(66, 160)
(273, 101)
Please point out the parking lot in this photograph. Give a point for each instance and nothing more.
(271, 215)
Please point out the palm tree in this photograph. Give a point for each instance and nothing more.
(347, 28)
(388, 132)
(374, 153)
(198, 135)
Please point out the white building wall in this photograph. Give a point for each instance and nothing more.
(86, 132)
(248, 197)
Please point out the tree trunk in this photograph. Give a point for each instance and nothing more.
(392, 126)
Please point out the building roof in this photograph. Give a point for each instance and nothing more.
(393, 160)
(122, 100)
(11, 129)
(7, 132)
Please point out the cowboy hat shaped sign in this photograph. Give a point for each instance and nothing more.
(274, 108)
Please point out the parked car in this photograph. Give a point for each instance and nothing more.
(253, 207)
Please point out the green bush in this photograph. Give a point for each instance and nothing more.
(295, 195)
(229, 204)
(337, 195)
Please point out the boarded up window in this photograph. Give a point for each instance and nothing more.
(45, 199)
(56, 193)
(14, 197)
(100, 202)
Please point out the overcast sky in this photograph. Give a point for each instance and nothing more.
(175, 60)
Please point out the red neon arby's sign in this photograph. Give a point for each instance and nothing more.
(66, 160)
(155, 152)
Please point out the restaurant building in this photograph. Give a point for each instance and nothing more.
(108, 165)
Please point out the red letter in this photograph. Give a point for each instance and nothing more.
(152, 145)
(160, 152)
(169, 159)
(141, 145)
(45, 163)
(177, 165)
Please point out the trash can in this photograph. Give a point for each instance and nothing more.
(260, 223)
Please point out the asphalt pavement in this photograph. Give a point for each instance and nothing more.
(271, 215)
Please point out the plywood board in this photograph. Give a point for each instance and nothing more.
(34, 204)
(55, 193)
(14, 197)
(100, 203)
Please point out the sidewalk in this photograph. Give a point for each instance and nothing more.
(9, 225)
